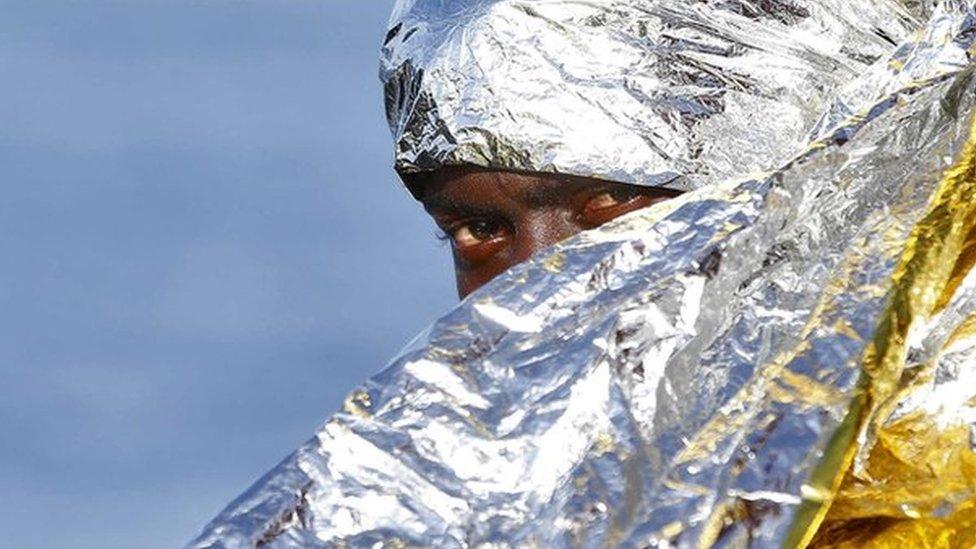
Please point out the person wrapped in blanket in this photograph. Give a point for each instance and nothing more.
(717, 267)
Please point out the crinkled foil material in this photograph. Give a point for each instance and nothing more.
(777, 360)
(654, 92)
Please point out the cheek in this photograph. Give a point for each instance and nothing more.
(468, 281)
(465, 287)
(471, 277)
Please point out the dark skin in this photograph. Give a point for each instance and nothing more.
(496, 219)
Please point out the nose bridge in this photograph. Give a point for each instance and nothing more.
(541, 228)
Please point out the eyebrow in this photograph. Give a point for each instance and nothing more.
(446, 204)
(545, 192)
(536, 194)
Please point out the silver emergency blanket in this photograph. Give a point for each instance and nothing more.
(778, 359)
(667, 93)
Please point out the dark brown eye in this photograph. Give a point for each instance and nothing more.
(604, 200)
(478, 240)
(474, 233)
(610, 204)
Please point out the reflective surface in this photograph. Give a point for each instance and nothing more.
(784, 359)
(664, 92)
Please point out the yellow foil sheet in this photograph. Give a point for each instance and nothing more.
(909, 481)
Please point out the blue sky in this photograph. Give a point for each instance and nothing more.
(203, 249)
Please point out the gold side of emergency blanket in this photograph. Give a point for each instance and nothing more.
(912, 479)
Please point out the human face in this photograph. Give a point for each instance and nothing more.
(496, 219)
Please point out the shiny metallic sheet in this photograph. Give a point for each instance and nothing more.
(654, 92)
(770, 360)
